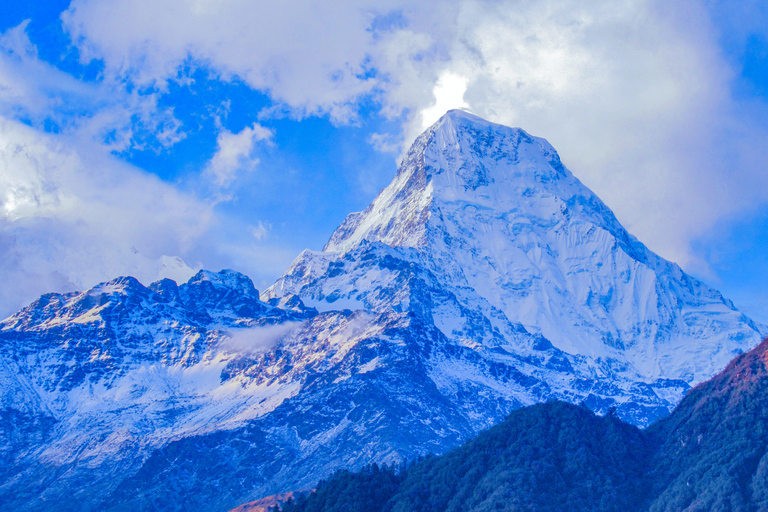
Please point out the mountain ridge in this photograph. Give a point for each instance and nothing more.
(409, 337)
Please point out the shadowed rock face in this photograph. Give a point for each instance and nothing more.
(484, 279)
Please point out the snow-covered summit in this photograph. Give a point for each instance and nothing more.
(499, 220)
(450, 162)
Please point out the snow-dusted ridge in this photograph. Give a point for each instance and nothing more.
(484, 278)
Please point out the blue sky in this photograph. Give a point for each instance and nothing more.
(235, 134)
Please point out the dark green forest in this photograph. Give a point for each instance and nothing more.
(708, 455)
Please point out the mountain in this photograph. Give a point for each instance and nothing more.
(485, 278)
(485, 233)
(550, 457)
(711, 453)
(98, 378)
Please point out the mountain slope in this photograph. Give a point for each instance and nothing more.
(711, 453)
(549, 457)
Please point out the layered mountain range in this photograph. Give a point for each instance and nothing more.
(485, 278)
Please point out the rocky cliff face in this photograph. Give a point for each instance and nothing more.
(483, 279)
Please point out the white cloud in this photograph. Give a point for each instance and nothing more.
(259, 339)
(260, 231)
(386, 142)
(449, 94)
(310, 56)
(234, 152)
(635, 94)
(105, 111)
(71, 215)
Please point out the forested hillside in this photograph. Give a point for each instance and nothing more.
(709, 454)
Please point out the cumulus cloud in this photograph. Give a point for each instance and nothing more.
(311, 56)
(72, 215)
(449, 94)
(635, 94)
(234, 152)
(106, 111)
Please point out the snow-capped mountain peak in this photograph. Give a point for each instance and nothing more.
(462, 158)
(498, 219)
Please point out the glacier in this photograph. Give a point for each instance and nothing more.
(484, 278)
